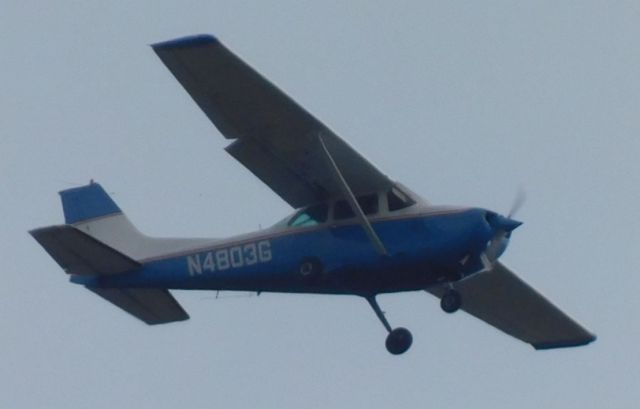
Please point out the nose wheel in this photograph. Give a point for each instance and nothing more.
(400, 339)
(451, 301)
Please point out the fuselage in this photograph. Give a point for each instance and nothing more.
(425, 245)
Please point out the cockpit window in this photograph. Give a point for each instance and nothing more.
(397, 200)
(311, 216)
(368, 203)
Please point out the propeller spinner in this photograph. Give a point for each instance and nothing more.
(502, 227)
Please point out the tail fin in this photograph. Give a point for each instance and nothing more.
(99, 240)
(90, 210)
(82, 204)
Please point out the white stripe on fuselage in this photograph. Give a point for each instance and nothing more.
(276, 232)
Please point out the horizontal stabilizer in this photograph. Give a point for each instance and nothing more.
(79, 253)
(151, 305)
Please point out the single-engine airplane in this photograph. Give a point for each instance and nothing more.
(354, 231)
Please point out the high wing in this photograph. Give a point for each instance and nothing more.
(503, 300)
(274, 137)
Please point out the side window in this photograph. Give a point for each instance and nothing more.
(398, 200)
(311, 216)
(368, 203)
(342, 210)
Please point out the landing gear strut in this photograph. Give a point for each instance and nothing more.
(450, 301)
(399, 340)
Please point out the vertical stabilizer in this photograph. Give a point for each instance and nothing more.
(90, 210)
(87, 202)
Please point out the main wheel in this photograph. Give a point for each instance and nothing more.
(450, 301)
(398, 341)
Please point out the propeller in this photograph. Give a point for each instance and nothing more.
(503, 226)
(518, 201)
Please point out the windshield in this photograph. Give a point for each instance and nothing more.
(311, 216)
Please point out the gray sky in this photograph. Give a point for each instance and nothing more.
(462, 101)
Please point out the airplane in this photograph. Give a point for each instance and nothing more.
(353, 230)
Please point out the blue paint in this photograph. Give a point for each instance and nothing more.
(422, 251)
(86, 202)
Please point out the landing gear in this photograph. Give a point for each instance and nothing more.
(450, 301)
(399, 340)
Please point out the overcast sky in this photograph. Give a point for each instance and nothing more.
(464, 102)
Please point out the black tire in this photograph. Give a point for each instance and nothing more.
(398, 341)
(451, 301)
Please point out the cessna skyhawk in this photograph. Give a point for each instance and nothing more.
(353, 230)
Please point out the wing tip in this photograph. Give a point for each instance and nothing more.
(565, 343)
(184, 317)
(184, 42)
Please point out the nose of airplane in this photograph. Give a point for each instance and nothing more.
(501, 223)
(501, 228)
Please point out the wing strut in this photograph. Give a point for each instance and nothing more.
(362, 219)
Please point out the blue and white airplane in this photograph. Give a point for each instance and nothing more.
(354, 231)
